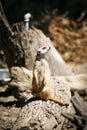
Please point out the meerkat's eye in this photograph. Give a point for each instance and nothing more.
(44, 48)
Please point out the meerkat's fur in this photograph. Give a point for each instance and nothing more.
(41, 77)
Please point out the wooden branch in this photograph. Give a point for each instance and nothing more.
(2, 14)
(7, 39)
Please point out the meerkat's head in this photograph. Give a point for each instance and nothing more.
(42, 51)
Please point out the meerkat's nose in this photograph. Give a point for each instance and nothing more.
(49, 47)
(38, 52)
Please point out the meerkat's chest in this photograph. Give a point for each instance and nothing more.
(41, 64)
(41, 72)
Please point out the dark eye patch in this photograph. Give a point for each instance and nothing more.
(44, 47)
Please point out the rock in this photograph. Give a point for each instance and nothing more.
(80, 68)
(76, 82)
(20, 84)
(38, 114)
(46, 115)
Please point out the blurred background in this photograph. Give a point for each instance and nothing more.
(15, 9)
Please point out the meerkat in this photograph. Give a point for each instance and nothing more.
(41, 77)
